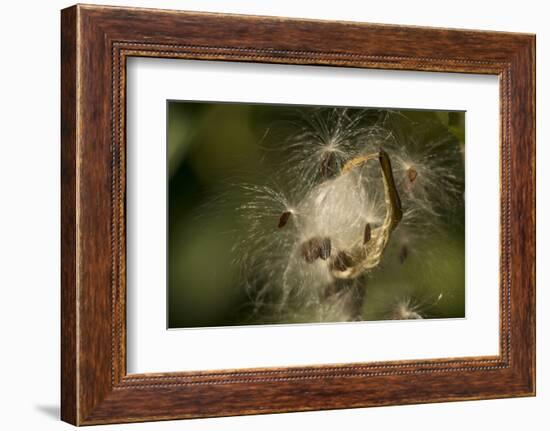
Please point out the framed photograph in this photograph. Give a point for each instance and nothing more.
(266, 215)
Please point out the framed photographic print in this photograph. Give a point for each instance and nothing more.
(267, 215)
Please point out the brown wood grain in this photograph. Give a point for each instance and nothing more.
(68, 217)
(96, 41)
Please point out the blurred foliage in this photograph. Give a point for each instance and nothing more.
(213, 144)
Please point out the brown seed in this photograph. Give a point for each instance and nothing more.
(342, 261)
(315, 248)
(327, 165)
(309, 252)
(412, 174)
(403, 254)
(284, 219)
(325, 246)
(367, 234)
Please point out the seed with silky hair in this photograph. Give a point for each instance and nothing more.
(412, 174)
(284, 219)
(315, 248)
(367, 233)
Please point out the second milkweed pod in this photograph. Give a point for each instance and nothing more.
(284, 219)
(406, 309)
(410, 307)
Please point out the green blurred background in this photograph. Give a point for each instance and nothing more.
(212, 145)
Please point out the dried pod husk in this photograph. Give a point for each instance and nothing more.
(406, 310)
(358, 260)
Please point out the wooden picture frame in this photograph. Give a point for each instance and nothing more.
(95, 43)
